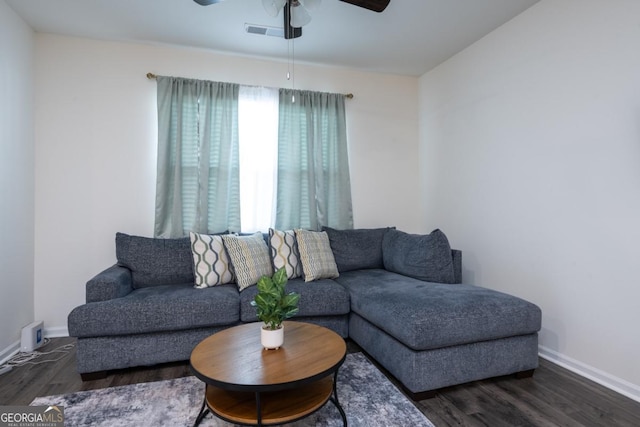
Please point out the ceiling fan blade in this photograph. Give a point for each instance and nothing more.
(311, 4)
(207, 2)
(299, 16)
(374, 5)
(273, 7)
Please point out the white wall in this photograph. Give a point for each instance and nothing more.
(96, 141)
(530, 147)
(16, 178)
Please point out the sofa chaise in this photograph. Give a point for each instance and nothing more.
(398, 296)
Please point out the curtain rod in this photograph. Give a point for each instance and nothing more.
(151, 76)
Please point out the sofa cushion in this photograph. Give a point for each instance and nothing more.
(316, 255)
(211, 263)
(284, 252)
(320, 298)
(155, 261)
(425, 257)
(249, 258)
(157, 309)
(357, 249)
(425, 315)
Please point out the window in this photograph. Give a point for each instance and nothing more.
(258, 131)
(234, 158)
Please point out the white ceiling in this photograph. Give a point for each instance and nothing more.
(409, 38)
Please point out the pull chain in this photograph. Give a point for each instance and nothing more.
(291, 66)
(293, 71)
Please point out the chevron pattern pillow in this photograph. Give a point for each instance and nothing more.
(249, 257)
(284, 252)
(316, 255)
(211, 264)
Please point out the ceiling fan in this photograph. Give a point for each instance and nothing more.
(296, 12)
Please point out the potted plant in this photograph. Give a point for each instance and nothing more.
(273, 306)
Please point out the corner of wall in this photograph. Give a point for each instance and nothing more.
(17, 177)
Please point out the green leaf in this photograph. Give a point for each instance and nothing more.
(264, 301)
(290, 300)
(280, 277)
(290, 312)
(265, 284)
(268, 287)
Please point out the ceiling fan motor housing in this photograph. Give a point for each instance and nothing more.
(289, 31)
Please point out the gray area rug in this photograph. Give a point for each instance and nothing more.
(366, 395)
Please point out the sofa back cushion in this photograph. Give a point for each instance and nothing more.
(155, 262)
(425, 257)
(357, 249)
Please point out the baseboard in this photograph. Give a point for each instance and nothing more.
(9, 352)
(56, 332)
(625, 388)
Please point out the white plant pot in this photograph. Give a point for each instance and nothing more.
(272, 340)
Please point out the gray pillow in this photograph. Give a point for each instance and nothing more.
(155, 261)
(358, 249)
(425, 257)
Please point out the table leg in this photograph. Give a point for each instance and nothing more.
(203, 410)
(258, 410)
(335, 400)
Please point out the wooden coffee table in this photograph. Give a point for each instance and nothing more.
(246, 384)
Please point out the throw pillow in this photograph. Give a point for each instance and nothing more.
(316, 255)
(284, 252)
(425, 257)
(211, 264)
(249, 258)
(155, 261)
(357, 249)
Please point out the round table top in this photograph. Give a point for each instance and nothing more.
(234, 358)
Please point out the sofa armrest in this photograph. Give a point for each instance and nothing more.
(457, 265)
(114, 282)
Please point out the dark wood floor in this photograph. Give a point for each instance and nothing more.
(553, 397)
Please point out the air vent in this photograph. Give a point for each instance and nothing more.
(263, 30)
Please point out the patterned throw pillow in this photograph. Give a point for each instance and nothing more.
(316, 255)
(284, 252)
(249, 258)
(211, 264)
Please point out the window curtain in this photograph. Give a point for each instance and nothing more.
(198, 168)
(313, 188)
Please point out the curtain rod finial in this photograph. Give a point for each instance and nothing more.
(151, 76)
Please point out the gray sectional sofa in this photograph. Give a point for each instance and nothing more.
(398, 296)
